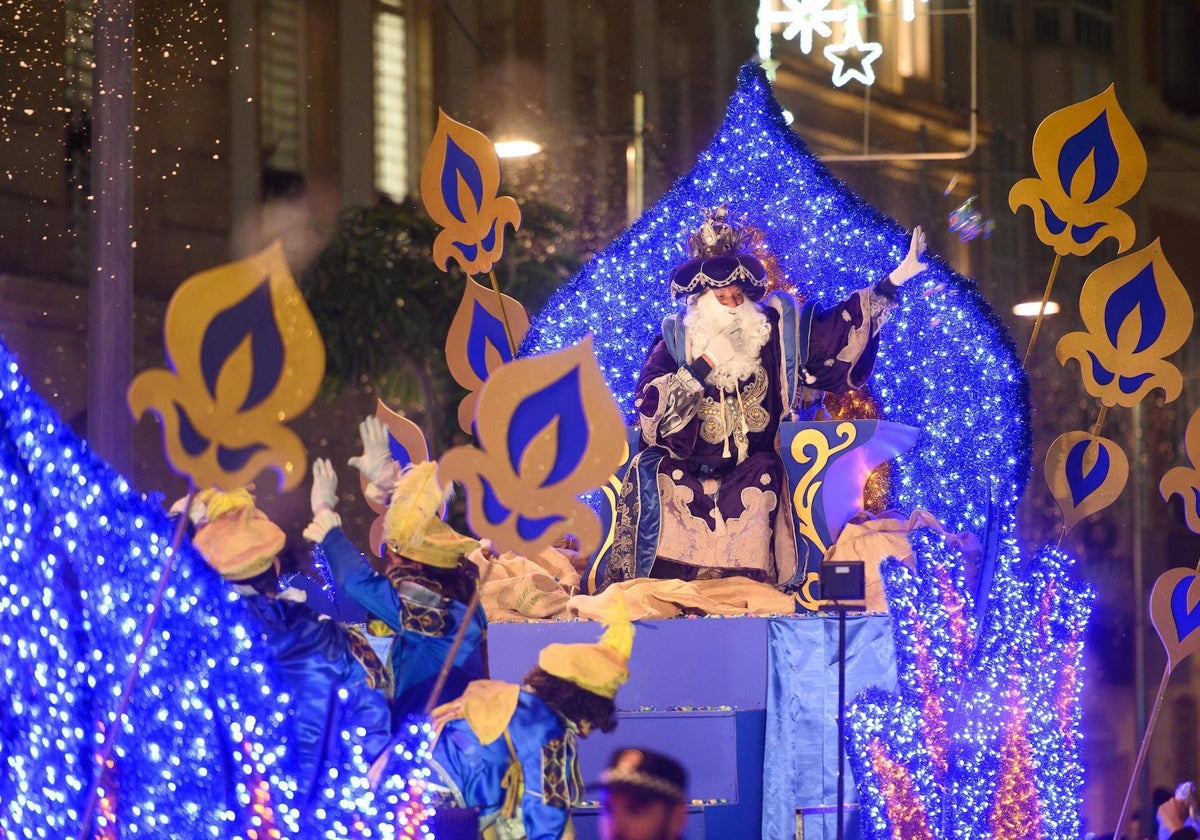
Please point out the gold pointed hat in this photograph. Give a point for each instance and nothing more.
(412, 526)
(600, 668)
(239, 541)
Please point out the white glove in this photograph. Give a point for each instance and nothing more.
(324, 486)
(911, 266)
(376, 455)
(719, 350)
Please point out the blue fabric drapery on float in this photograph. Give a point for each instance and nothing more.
(800, 753)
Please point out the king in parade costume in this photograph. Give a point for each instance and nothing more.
(708, 495)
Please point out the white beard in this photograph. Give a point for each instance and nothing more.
(746, 326)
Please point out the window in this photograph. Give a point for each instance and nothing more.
(391, 100)
(912, 46)
(280, 94)
(1000, 20)
(1047, 25)
(1180, 58)
(1093, 22)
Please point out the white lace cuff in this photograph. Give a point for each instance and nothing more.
(322, 523)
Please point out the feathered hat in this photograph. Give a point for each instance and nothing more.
(412, 526)
(600, 668)
(722, 255)
(239, 541)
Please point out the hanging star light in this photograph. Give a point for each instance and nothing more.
(853, 57)
(946, 364)
(804, 18)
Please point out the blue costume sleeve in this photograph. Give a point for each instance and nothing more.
(314, 657)
(354, 576)
(542, 821)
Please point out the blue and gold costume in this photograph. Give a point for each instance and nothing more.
(518, 765)
(511, 754)
(424, 620)
(337, 683)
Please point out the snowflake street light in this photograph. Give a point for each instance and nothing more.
(804, 18)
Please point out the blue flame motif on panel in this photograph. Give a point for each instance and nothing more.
(1094, 142)
(1186, 620)
(458, 170)
(560, 403)
(946, 365)
(1139, 296)
(486, 331)
(1082, 480)
(250, 319)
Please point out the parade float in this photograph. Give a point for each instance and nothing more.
(135, 704)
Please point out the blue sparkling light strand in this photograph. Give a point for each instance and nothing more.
(203, 750)
(946, 365)
(200, 689)
(44, 756)
(1026, 664)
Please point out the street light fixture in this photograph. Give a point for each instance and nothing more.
(1029, 308)
(517, 148)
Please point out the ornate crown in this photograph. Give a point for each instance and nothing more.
(722, 254)
(720, 234)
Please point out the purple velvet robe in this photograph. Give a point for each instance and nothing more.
(708, 494)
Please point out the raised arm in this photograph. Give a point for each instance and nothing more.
(351, 571)
(843, 340)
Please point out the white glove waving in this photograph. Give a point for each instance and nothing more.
(911, 266)
(376, 456)
(324, 486)
(720, 350)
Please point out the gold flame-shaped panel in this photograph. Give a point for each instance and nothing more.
(477, 343)
(245, 359)
(1136, 312)
(548, 431)
(460, 186)
(1089, 161)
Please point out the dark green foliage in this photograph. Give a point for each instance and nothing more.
(384, 308)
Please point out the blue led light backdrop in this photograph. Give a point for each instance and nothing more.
(204, 749)
(946, 365)
(80, 557)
